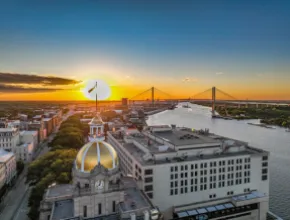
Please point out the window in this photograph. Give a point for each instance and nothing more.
(185, 190)
(148, 179)
(185, 175)
(185, 167)
(171, 192)
(264, 177)
(114, 206)
(150, 195)
(176, 191)
(148, 188)
(181, 190)
(85, 211)
(264, 171)
(176, 168)
(100, 208)
(181, 175)
(87, 185)
(192, 166)
(171, 184)
(176, 183)
(181, 167)
(148, 172)
(265, 158)
(181, 183)
(171, 176)
(171, 169)
(265, 164)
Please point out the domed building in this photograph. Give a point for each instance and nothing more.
(98, 188)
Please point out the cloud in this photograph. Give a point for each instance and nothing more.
(187, 80)
(20, 89)
(219, 73)
(16, 78)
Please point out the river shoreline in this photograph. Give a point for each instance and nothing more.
(276, 141)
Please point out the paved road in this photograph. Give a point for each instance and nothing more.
(15, 204)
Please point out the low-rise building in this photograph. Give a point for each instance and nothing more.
(48, 124)
(29, 137)
(9, 138)
(2, 175)
(3, 123)
(25, 152)
(8, 160)
(22, 144)
(38, 125)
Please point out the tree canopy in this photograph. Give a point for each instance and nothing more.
(56, 165)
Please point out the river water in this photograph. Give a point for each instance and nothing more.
(276, 141)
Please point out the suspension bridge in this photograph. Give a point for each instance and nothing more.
(213, 96)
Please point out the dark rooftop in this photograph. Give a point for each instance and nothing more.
(63, 209)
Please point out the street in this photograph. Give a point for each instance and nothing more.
(15, 204)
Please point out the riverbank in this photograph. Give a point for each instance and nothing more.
(155, 111)
(278, 116)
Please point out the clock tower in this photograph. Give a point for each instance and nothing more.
(96, 176)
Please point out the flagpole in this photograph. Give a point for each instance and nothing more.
(96, 99)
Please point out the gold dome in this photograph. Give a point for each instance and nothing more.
(93, 153)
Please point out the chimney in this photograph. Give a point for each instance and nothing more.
(146, 215)
(133, 216)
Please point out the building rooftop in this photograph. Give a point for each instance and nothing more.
(181, 137)
(9, 129)
(63, 190)
(28, 133)
(63, 209)
(177, 145)
(5, 155)
(134, 198)
(46, 119)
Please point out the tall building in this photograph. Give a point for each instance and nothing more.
(196, 174)
(97, 191)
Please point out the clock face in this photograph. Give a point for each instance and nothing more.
(99, 184)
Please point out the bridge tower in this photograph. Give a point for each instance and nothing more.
(152, 95)
(213, 100)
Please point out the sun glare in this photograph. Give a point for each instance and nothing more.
(102, 90)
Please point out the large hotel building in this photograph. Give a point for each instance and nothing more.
(195, 174)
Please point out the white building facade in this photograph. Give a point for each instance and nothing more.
(9, 138)
(2, 175)
(194, 175)
(8, 160)
(22, 144)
